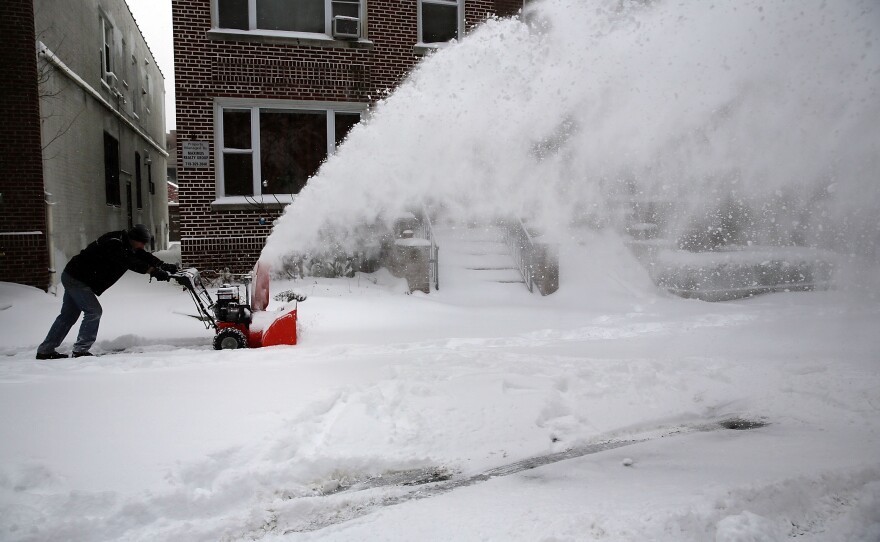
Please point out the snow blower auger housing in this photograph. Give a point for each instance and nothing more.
(241, 323)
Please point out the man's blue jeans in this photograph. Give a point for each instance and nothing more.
(78, 298)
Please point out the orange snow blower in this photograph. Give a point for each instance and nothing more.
(237, 324)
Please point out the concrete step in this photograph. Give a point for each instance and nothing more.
(476, 258)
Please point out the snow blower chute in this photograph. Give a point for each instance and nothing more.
(240, 324)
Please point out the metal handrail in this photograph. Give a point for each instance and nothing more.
(426, 231)
(522, 249)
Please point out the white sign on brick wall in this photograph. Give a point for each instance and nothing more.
(196, 154)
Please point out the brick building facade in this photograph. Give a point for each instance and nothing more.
(24, 256)
(249, 73)
(82, 148)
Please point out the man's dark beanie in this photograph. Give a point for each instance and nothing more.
(139, 233)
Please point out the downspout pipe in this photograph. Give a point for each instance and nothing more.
(50, 243)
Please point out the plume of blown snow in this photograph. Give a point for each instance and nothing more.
(564, 113)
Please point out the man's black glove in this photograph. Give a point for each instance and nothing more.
(169, 267)
(160, 274)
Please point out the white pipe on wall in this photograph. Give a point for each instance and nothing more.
(44, 52)
(50, 243)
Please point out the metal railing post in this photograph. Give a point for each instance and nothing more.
(525, 253)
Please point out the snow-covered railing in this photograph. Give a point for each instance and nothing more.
(426, 231)
(520, 244)
(538, 262)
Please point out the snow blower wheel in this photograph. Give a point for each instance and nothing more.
(229, 339)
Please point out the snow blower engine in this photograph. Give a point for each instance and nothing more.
(240, 324)
(228, 309)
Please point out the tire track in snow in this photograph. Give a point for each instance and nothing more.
(336, 504)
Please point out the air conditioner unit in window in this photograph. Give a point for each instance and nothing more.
(346, 27)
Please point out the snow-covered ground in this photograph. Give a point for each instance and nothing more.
(170, 440)
(418, 417)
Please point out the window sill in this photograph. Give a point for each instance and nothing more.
(248, 203)
(288, 38)
(428, 48)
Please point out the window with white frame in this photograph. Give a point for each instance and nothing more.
(107, 65)
(440, 20)
(135, 86)
(275, 148)
(147, 91)
(285, 16)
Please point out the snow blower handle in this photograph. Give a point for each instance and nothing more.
(160, 274)
(192, 283)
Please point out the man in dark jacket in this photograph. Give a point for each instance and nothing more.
(88, 275)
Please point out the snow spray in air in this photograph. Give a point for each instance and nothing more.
(761, 113)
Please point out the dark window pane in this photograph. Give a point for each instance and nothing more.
(137, 180)
(292, 146)
(108, 66)
(344, 123)
(108, 40)
(346, 8)
(111, 170)
(233, 14)
(236, 129)
(291, 15)
(439, 22)
(238, 174)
